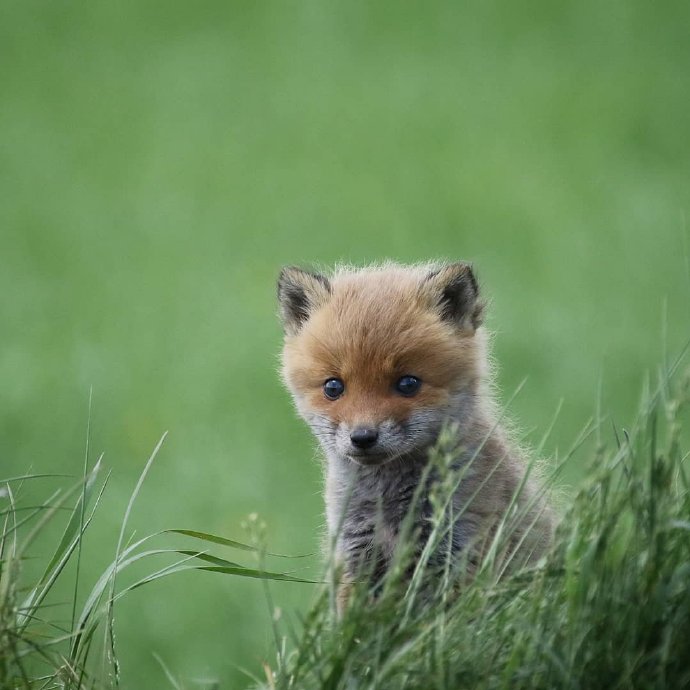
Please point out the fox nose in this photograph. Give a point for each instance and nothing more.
(364, 437)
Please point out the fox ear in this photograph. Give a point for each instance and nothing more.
(457, 295)
(299, 293)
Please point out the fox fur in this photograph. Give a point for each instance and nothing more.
(367, 328)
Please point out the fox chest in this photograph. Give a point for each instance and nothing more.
(371, 516)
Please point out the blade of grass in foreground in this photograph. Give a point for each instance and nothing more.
(109, 641)
(71, 537)
(223, 541)
(83, 509)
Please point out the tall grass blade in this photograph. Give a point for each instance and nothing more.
(223, 541)
(70, 538)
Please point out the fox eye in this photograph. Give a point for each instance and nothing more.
(408, 385)
(333, 389)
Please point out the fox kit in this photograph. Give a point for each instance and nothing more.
(379, 360)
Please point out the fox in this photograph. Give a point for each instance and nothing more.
(379, 361)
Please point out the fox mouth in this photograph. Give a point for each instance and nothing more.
(372, 458)
(369, 458)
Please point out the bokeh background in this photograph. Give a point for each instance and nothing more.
(160, 161)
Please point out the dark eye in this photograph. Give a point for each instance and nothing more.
(408, 385)
(333, 389)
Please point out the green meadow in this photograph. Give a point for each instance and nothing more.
(159, 163)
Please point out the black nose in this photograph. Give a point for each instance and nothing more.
(363, 437)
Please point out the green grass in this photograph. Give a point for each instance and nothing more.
(160, 161)
(607, 607)
(39, 647)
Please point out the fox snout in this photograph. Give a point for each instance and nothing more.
(364, 437)
(370, 442)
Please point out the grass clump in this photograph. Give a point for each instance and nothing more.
(53, 634)
(608, 607)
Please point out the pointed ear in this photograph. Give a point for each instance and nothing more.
(456, 293)
(299, 293)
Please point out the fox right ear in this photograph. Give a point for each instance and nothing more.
(299, 293)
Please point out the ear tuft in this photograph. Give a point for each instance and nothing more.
(299, 293)
(457, 295)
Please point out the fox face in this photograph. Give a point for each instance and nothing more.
(378, 358)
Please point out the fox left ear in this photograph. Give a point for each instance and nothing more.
(457, 293)
(299, 293)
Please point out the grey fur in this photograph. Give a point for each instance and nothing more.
(366, 504)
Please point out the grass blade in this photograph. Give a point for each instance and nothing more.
(223, 541)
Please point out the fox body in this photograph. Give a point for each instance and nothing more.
(379, 360)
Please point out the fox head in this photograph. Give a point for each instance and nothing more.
(378, 358)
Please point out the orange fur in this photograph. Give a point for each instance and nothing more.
(378, 326)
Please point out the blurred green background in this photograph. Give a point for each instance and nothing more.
(160, 161)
